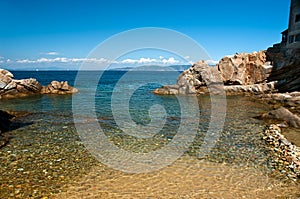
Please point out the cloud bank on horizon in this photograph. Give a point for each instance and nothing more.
(94, 63)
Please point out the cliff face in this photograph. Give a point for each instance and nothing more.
(245, 68)
(286, 68)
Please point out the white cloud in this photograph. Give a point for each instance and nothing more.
(62, 60)
(170, 61)
(186, 57)
(8, 60)
(137, 62)
(161, 57)
(211, 62)
(50, 53)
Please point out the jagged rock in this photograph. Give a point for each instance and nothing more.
(10, 88)
(56, 87)
(5, 78)
(286, 68)
(239, 74)
(244, 68)
(284, 115)
(199, 78)
(28, 85)
(6, 73)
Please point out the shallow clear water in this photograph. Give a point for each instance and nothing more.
(46, 152)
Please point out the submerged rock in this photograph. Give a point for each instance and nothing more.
(5, 122)
(283, 114)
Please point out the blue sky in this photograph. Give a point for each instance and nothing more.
(56, 31)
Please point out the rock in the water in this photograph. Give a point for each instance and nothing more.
(245, 68)
(60, 88)
(10, 88)
(284, 115)
(167, 90)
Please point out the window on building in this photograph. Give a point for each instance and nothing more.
(291, 39)
(297, 37)
(297, 18)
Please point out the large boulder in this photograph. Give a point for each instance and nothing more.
(199, 78)
(245, 68)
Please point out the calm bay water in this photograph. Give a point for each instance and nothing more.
(46, 153)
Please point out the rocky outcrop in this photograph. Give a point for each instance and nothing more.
(198, 79)
(245, 68)
(60, 88)
(239, 74)
(10, 88)
(286, 68)
(255, 89)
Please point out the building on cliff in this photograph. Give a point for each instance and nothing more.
(291, 36)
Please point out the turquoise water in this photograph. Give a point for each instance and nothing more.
(112, 90)
(48, 135)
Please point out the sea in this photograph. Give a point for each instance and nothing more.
(115, 128)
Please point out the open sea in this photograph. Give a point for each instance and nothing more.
(116, 139)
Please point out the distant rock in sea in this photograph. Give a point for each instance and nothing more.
(10, 88)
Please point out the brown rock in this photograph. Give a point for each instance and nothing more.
(244, 68)
(60, 88)
(284, 115)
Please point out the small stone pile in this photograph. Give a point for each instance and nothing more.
(287, 155)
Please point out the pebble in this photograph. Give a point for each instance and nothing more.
(286, 155)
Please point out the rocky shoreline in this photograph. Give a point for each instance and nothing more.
(12, 88)
(286, 158)
(271, 77)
